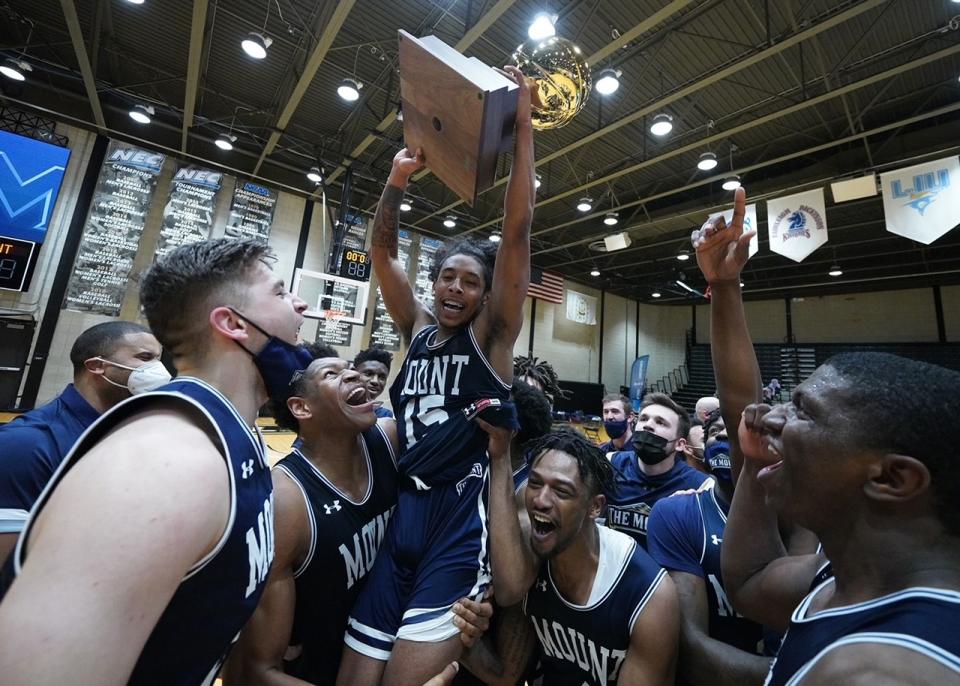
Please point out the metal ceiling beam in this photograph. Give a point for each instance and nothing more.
(638, 30)
(89, 83)
(812, 102)
(784, 158)
(197, 30)
(469, 38)
(735, 66)
(326, 39)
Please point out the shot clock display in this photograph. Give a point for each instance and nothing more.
(355, 264)
(16, 263)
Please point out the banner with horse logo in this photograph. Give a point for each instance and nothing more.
(922, 202)
(797, 224)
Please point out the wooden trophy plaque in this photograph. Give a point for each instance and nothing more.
(458, 110)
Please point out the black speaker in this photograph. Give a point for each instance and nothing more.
(16, 335)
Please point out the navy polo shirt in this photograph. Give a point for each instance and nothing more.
(32, 446)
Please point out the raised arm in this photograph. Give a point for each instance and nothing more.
(763, 582)
(109, 550)
(513, 561)
(652, 657)
(408, 314)
(722, 252)
(498, 325)
(257, 659)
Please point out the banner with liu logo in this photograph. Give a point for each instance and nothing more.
(797, 224)
(922, 202)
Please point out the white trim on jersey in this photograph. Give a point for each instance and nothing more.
(939, 594)
(329, 484)
(253, 433)
(906, 641)
(703, 529)
(12, 520)
(616, 551)
(313, 521)
(483, 358)
(661, 575)
(386, 440)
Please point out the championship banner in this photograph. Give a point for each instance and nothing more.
(922, 202)
(797, 224)
(581, 308)
(749, 224)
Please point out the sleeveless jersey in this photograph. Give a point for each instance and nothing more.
(923, 620)
(344, 539)
(628, 507)
(587, 644)
(685, 534)
(438, 381)
(219, 593)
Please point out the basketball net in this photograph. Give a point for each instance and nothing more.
(331, 321)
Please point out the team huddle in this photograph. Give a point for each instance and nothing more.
(467, 540)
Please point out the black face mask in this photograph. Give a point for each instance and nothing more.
(277, 362)
(718, 457)
(650, 448)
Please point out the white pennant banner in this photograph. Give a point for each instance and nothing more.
(922, 202)
(797, 224)
(749, 224)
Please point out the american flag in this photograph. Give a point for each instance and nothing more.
(545, 285)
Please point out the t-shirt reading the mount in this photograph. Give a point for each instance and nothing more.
(628, 507)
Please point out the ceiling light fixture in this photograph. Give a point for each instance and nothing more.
(315, 175)
(225, 141)
(536, 182)
(450, 222)
(594, 272)
(405, 206)
(585, 204)
(707, 161)
(662, 125)
(255, 45)
(142, 113)
(608, 82)
(683, 256)
(14, 69)
(349, 90)
(685, 286)
(495, 237)
(835, 271)
(655, 294)
(543, 26)
(611, 219)
(135, 2)
(731, 183)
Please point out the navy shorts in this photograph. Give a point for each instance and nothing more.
(434, 553)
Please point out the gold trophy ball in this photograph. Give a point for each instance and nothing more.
(559, 77)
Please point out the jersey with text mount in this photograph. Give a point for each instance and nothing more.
(344, 539)
(218, 594)
(437, 382)
(922, 620)
(685, 534)
(587, 644)
(629, 506)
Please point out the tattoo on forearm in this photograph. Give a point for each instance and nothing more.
(386, 222)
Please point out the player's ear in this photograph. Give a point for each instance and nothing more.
(299, 407)
(95, 365)
(597, 503)
(897, 478)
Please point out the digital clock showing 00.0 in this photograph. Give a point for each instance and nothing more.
(16, 260)
(355, 264)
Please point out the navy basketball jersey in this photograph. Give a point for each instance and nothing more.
(587, 644)
(922, 620)
(344, 538)
(439, 380)
(219, 593)
(685, 534)
(628, 507)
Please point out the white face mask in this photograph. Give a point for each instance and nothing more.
(146, 377)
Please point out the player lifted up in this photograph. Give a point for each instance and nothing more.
(460, 362)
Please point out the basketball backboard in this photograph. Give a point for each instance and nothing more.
(328, 295)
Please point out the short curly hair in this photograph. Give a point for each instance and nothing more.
(594, 467)
(483, 251)
(377, 353)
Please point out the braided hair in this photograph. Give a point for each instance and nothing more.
(541, 372)
(594, 467)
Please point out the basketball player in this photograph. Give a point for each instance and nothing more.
(374, 366)
(111, 361)
(651, 470)
(864, 456)
(603, 611)
(149, 550)
(685, 536)
(459, 363)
